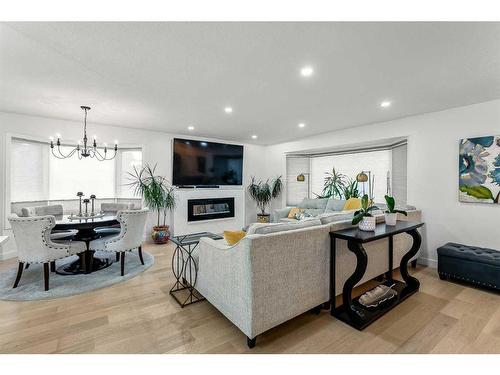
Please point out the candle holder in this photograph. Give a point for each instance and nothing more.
(92, 198)
(80, 195)
(86, 202)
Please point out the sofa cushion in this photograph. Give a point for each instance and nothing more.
(332, 217)
(335, 204)
(233, 237)
(352, 204)
(267, 228)
(314, 203)
(294, 211)
(313, 211)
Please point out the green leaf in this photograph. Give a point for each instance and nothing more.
(390, 203)
(357, 218)
(479, 192)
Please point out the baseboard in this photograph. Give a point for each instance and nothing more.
(427, 262)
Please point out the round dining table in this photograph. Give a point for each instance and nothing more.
(87, 262)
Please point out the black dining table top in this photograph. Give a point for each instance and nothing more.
(64, 222)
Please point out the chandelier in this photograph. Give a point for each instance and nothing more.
(83, 149)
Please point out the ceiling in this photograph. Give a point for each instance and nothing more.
(168, 76)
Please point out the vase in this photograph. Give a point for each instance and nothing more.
(391, 218)
(367, 224)
(160, 234)
(263, 218)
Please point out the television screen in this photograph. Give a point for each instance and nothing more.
(206, 163)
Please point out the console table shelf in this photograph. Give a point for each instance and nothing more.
(351, 311)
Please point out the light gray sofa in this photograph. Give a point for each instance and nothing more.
(281, 270)
(312, 207)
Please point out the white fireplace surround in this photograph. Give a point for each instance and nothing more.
(181, 225)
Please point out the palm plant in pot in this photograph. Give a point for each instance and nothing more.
(262, 193)
(391, 215)
(158, 195)
(363, 216)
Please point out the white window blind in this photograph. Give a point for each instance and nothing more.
(28, 171)
(129, 159)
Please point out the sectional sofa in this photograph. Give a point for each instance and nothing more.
(281, 270)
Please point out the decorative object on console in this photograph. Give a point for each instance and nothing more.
(158, 195)
(391, 215)
(262, 193)
(479, 170)
(363, 217)
(83, 151)
(377, 296)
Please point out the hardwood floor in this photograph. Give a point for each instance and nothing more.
(139, 316)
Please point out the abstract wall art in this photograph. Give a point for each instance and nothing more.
(479, 170)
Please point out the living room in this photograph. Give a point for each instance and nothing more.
(250, 187)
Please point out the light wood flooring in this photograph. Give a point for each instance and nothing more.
(139, 316)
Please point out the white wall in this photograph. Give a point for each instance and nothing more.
(156, 149)
(432, 170)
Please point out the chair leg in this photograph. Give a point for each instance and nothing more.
(251, 342)
(27, 266)
(117, 256)
(53, 266)
(140, 255)
(414, 263)
(19, 273)
(122, 263)
(46, 275)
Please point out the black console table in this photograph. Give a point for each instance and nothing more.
(351, 311)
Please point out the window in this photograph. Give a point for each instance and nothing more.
(129, 160)
(27, 178)
(69, 176)
(38, 176)
(377, 162)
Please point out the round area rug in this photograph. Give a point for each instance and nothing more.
(31, 287)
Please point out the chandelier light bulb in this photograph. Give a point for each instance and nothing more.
(116, 141)
(58, 135)
(51, 138)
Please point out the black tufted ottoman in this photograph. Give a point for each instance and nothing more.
(472, 264)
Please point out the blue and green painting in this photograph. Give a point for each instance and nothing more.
(479, 170)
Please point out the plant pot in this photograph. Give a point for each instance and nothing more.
(367, 224)
(263, 218)
(391, 218)
(160, 234)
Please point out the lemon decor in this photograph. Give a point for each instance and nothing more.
(233, 237)
(352, 204)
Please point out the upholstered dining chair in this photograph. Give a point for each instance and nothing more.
(132, 223)
(34, 244)
(51, 209)
(112, 208)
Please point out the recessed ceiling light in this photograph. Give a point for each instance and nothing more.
(228, 110)
(191, 128)
(307, 71)
(302, 125)
(254, 136)
(385, 104)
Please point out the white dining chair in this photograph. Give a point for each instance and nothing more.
(54, 210)
(132, 223)
(112, 208)
(34, 244)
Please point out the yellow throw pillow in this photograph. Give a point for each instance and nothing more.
(233, 237)
(352, 204)
(294, 211)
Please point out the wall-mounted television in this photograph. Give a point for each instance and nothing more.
(201, 163)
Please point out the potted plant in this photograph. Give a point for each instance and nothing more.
(391, 215)
(334, 184)
(158, 195)
(363, 216)
(262, 193)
